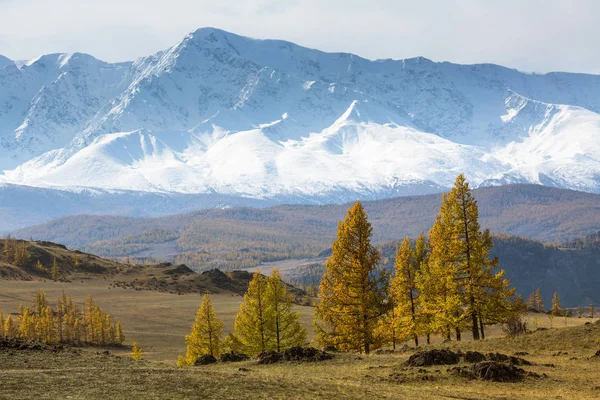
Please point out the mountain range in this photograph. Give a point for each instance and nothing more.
(260, 122)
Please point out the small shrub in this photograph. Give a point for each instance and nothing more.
(136, 352)
(515, 326)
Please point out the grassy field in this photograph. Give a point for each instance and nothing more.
(158, 321)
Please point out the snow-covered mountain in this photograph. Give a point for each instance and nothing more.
(265, 119)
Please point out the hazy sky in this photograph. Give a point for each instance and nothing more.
(531, 35)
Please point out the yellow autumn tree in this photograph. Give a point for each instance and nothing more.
(539, 302)
(531, 301)
(462, 254)
(404, 291)
(10, 329)
(21, 255)
(119, 336)
(206, 334)
(254, 320)
(556, 308)
(441, 307)
(54, 271)
(41, 301)
(285, 323)
(352, 298)
(136, 352)
(232, 344)
(2, 322)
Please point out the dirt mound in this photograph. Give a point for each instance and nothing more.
(305, 354)
(205, 360)
(232, 357)
(498, 372)
(20, 344)
(493, 371)
(433, 357)
(181, 269)
(498, 357)
(269, 357)
(474, 357)
(294, 354)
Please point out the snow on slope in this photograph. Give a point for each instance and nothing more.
(221, 113)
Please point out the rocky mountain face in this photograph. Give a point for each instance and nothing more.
(221, 114)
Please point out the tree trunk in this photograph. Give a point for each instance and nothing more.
(481, 326)
(458, 335)
(416, 340)
(475, 327)
(428, 338)
(277, 329)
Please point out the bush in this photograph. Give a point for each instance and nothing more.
(515, 326)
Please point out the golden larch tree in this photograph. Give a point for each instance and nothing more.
(539, 302)
(352, 293)
(136, 352)
(254, 320)
(556, 308)
(531, 301)
(119, 336)
(232, 344)
(54, 271)
(206, 334)
(440, 300)
(468, 257)
(10, 329)
(404, 291)
(285, 322)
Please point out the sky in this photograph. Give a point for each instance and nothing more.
(530, 35)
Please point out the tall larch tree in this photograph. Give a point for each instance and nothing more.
(404, 290)
(10, 329)
(54, 271)
(441, 307)
(119, 336)
(539, 302)
(352, 294)
(206, 334)
(531, 301)
(285, 323)
(254, 320)
(460, 251)
(556, 308)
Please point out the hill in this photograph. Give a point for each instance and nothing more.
(75, 266)
(244, 237)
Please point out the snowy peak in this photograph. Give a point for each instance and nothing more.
(222, 113)
(5, 62)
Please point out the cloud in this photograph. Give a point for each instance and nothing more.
(533, 35)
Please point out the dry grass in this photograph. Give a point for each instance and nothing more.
(158, 322)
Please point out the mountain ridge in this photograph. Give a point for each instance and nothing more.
(268, 119)
(538, 212)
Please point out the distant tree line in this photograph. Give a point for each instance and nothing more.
(66, 323)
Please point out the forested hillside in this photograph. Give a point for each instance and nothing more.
(243, 237)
